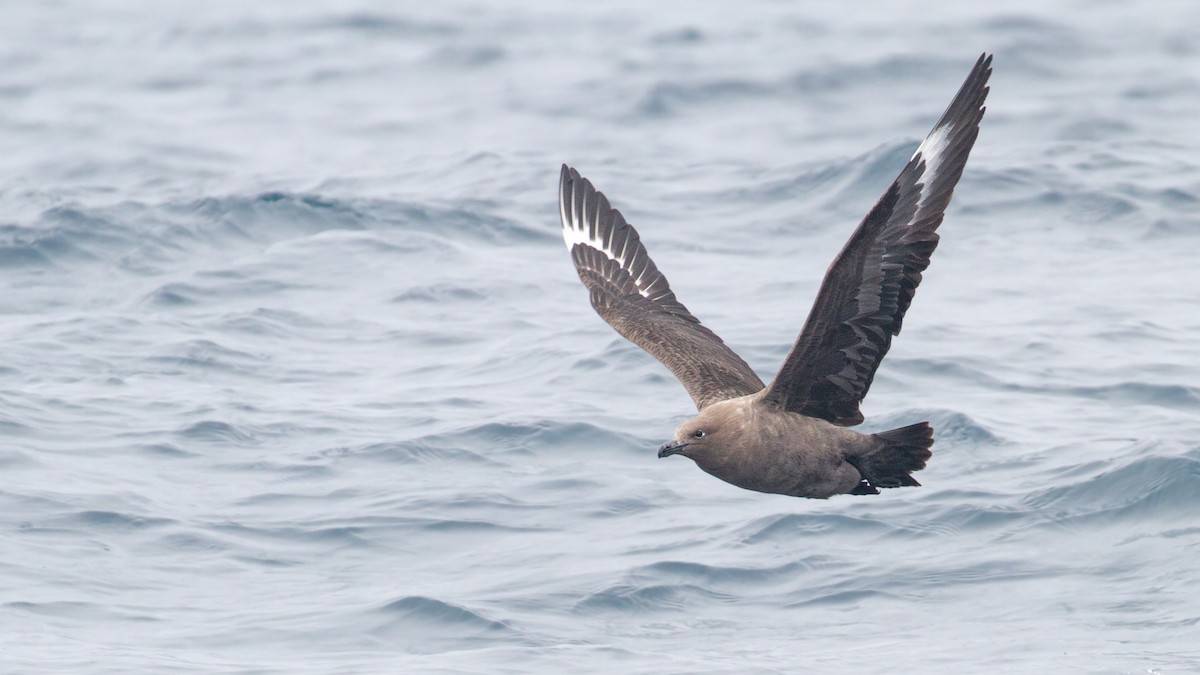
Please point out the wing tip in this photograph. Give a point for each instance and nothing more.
(566, 176)
(983, 67)
(965, 112)
(568, 194)
(968, 102)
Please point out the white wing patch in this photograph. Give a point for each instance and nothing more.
(587, 233)
(931, 150)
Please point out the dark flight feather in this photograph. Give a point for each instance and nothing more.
(871, 283)
(629, 292)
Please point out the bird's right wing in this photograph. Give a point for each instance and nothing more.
(870, 284)
(629, 292)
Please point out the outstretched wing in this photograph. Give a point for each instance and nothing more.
(870, 284)
(630, 293)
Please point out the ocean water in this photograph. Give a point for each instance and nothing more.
(296, 375)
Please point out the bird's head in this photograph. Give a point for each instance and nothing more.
(705, 436)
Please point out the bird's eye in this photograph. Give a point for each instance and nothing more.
(699, 433)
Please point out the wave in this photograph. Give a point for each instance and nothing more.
(671, 97)
(726, 577)
(270, 322)
(147, 239)
(488, 443)
(78, 610)
(110, 521)
(215, 431)
(792, 527)
(385, 25)
(179, 294)
(428, 610)
(1141, 393)
(11, 460)
(442, 293)
(638, 599)
(423, 624)
(1155, 487)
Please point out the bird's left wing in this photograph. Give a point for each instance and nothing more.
(629, 292)
(871, 282)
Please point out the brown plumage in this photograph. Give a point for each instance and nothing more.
(788, 437)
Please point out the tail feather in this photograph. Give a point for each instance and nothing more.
(901, 452)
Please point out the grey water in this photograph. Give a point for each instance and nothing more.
(296, 375)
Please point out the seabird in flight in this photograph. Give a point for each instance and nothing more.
(790, 437)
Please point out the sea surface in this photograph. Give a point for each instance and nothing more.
(296, 375)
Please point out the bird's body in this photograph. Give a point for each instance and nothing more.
(780, 452)
(754, 446)
(789, 437)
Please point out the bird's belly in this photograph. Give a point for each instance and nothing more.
(815, 473)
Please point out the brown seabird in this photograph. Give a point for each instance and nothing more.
(789, 437)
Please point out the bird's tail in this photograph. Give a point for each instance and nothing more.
(901, 452)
